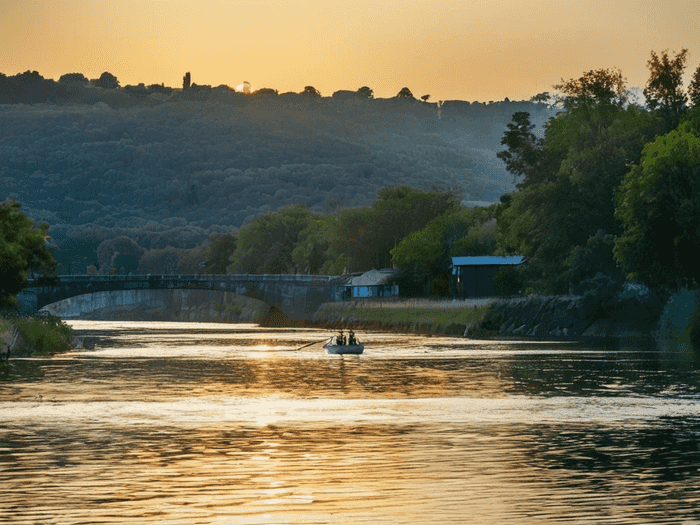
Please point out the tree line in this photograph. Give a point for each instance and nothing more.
(611, 193)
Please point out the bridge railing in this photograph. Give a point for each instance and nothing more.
(199, 278)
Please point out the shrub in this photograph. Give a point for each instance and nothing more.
(49, 334)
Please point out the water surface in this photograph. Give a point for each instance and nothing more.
(211, 423)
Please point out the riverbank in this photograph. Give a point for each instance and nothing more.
(411, 315)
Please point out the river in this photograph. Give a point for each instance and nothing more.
(209, 423)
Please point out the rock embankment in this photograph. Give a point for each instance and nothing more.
(562, 317)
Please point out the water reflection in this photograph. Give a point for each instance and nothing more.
(180, 423)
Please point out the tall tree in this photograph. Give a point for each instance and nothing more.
(694, 89)
(659, 206)
(22, 250)
(664, 89)
(600, 86)
(523, 147)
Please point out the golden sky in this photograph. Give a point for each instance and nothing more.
(451, 49)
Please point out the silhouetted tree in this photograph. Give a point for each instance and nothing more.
(186, 80)
(694, 88)
(73, 77)
(311, 92)
(107, 81)
(601, 86)
(425, 98)
(404, 93)
(664, 89)
(265, 91)
(365, 92)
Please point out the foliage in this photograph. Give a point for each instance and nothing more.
(567, 194)
(404, 93)
(365, 92)
(659, 206)
(596, 256)
(694, 88)
(424, 255)
(267, 243)
(107, 81)
(601, 86)
(22, 250)
(523, 147)
(121, 254)
(664, 89)
(367, 235)
(219, 248)
(73, 77)
(49, 334)
(311, 92)
(158, 262)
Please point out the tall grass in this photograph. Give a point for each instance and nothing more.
(47, 333)
(438, 320)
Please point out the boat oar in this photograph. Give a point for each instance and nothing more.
(314, 343)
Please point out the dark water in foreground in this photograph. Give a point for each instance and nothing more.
(195, 423)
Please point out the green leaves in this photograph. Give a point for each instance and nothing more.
(659, 205)
(22, 249)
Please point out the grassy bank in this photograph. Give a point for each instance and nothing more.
(39, 335)
(448, 321)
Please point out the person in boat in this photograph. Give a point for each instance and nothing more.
(351, 338)
(340, 340)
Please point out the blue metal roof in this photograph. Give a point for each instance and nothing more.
(487, 260)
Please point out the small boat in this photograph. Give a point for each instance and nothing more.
(343, 349)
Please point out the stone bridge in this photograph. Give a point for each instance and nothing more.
(297, 296)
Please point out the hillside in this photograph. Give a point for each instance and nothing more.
(170, 169)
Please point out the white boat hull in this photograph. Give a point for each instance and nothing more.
(344, 349)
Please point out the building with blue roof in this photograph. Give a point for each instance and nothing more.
(474, 276)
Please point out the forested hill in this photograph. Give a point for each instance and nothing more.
(169, 168)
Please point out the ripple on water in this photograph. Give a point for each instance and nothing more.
(185, 423)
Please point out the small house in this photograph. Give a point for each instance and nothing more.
(374, 284)
(474, 276)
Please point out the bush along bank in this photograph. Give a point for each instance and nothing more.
(433, 320)
(33, 336)
(631, 313)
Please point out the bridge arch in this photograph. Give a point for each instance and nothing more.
(297, 296)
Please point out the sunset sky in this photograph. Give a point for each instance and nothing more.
(451, 49)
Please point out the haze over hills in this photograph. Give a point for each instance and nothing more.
(168, 167)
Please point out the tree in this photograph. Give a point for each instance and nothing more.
(311, 91)
(425, 98)
(120, 253)
(267, 243)
(600, 86)
(22, 250)
(404, 93)
(73, 77)
(219, 248)
(664, 89)
(107, 81)
(367, 235)
(659, 206)
(523, 147)
(694, 89)
(365, 92)
(571, 177)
